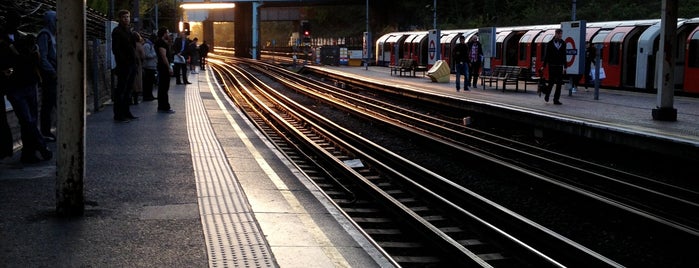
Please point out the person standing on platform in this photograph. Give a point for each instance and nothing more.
(162, 47)
(475, 60)
(49, 80)
(23, 60)
(203, 53)
(6, 70)
(590, 55)
(124, 50)
(138, 78)
(555, 58)
(181, 51)
(193, 55)
(460, 57)
(150, 63)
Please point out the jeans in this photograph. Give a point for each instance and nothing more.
(24, 103)
(461, 68)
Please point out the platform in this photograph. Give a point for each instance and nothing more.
(200, 187)
(615, 112)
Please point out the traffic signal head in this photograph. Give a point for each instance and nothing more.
(306, 29)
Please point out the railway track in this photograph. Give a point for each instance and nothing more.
(652, 199)
(416, 216)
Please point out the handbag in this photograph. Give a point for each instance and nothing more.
(602, 75)
(179, 59)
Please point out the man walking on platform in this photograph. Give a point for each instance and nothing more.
(475, 58)
(461, 59)
(555, 58)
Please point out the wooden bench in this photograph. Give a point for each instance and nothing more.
(407, 66)
(492, 76)
(404, 66)
(511, 77)
(529, 78)
(420, 68)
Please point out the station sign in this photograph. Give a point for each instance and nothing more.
(433, 47)
(574, 37)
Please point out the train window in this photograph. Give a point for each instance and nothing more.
(693, 51)
(522, 51)
(599, 38)
(615, 49)
(618, 37)
(547, 38)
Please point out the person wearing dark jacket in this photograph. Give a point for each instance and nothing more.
(460, 57)
(181, 49)
(203, 53)
(6, 70)
(21, 82)
(124, 50)
(555, 58)
(46, 40)
(475, 60)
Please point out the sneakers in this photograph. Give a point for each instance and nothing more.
(168, 111)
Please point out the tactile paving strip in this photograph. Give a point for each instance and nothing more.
(233, 238)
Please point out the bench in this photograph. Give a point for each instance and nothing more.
(528, 77)
(492, 76)
(509, 75)
(403, 66)
(407, 66)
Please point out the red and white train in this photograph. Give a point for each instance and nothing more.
(628, 52)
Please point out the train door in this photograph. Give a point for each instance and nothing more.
(511, 46)
(499, 57)
(383, 52)
(691, 68)
(629, 57)
(614, 48)
(408, 49)
(527, 51)
(420, 44)
(599, 39)
(395, 43)
(448, 43)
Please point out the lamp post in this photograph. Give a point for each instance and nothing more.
(434, 15)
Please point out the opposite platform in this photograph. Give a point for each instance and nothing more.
(615, 110)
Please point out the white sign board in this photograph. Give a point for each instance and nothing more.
(574, 37)
(433, 46)
(487, 37)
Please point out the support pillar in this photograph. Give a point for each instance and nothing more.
(70, 160)
(243, 29)
(666, 56)
(208, 28)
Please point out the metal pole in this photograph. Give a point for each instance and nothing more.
(136, 16)
(366, 57)
(255, 29)
(575, 4)
(666, 63)
(434, 15)
(156, 17)
(70, 162)
(598, 47)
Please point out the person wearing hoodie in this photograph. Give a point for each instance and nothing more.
(21, 85)
(46, 40)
